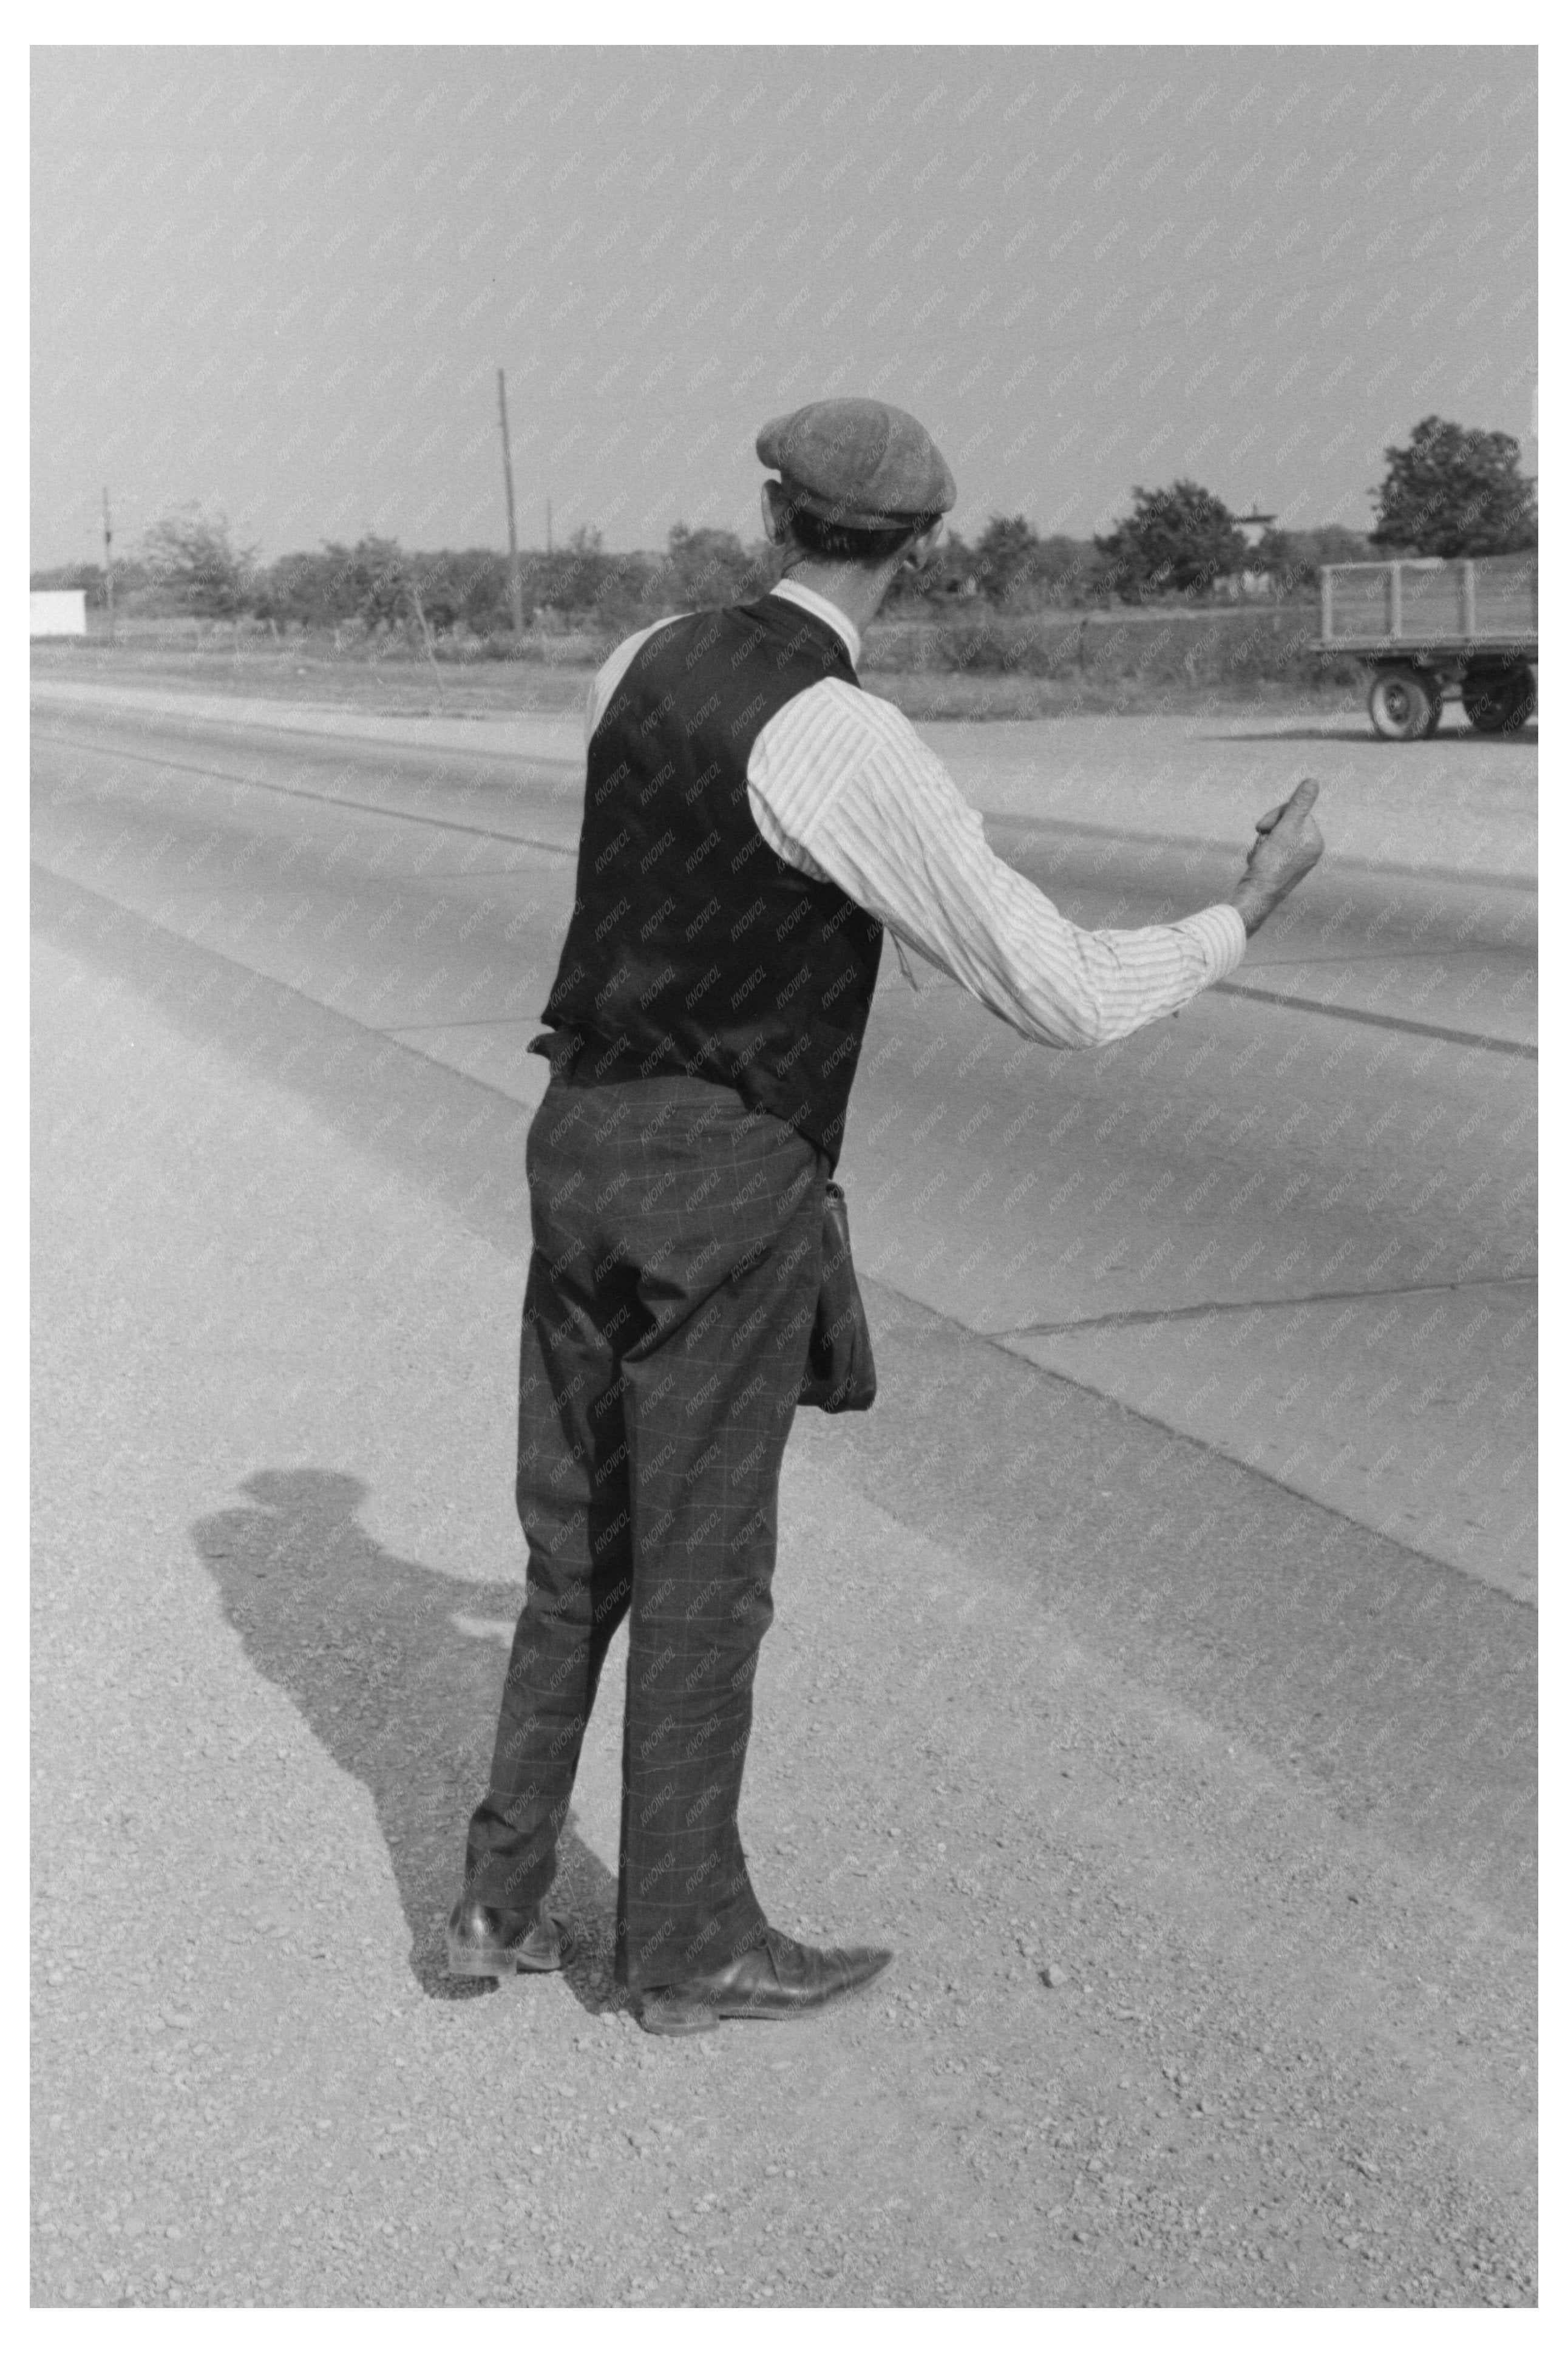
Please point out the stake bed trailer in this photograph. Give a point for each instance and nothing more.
(1422, 624)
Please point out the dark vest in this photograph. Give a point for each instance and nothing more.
(693, 947)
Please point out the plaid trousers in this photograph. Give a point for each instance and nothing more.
(677, 1255)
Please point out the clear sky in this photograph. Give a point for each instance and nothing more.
(278, 282)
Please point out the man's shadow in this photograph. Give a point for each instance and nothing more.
(398, 1671)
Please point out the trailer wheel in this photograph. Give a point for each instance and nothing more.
(1406, 705)
(1498, 701)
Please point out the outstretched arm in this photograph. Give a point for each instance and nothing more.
(842, 785)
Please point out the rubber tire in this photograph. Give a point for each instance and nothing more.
(1401, 704)
(1498, 703)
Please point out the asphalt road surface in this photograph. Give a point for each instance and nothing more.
(1166, 1625)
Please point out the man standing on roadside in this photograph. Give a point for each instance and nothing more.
(752, 822)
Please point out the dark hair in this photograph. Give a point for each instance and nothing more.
(843, 543)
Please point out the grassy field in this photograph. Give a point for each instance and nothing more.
(1045, 667)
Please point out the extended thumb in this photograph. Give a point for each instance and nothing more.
(1300, 804)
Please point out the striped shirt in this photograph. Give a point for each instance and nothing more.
(841, 787)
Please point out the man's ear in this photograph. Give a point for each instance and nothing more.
(773, 529)
(923, 549)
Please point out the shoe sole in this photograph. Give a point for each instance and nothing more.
(656, 2016)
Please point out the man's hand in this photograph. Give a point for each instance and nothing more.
(1288, 845)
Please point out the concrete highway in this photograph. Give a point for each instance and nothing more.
(1297, 1223)
(1167, 1624)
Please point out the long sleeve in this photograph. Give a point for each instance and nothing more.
(842, 787)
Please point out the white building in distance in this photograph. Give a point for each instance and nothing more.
(59, 613)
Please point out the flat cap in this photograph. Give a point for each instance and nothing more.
(858, 462)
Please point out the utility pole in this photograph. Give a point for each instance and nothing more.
(548, 542)
(514, 573)
(412, 586)
(108, 564)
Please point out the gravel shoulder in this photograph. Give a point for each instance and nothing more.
(1193, 2002)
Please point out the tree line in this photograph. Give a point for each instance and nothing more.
(1449, 492)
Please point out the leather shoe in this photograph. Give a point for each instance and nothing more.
(778, 1978)
(484, 1942)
